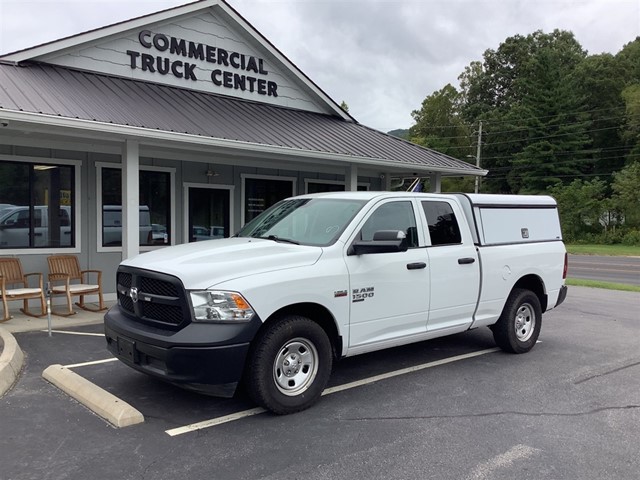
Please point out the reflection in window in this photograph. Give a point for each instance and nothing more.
(260, 194)
(208, 214)
(392, 216)
(443, 226)
(154, 215)
(315, 221)
(36, 205)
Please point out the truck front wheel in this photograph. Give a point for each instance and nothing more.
(518, 327)
(289, 365)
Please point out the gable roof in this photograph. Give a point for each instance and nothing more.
(39, 93)
(46, 51)
(49, 94)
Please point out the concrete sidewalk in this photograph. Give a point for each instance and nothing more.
(24, 323)
(11, 356)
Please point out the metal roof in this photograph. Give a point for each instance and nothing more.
(63, 92)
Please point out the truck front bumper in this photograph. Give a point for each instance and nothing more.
(205, 357)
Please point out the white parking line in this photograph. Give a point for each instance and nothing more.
(404, 371)
(255, 411)
(95, 362)
(76, 333)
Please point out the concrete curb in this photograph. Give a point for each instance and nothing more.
(98, 400)
(11, 361)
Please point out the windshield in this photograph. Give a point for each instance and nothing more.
(308, 221)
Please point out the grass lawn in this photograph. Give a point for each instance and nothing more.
(613, 250)
(606, 285)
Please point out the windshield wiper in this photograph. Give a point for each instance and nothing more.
(276, 238)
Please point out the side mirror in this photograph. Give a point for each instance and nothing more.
(384, 241)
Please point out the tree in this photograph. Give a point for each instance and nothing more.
(631, 128)
(599, 81)
(626, 187)
(439, 124)
(524, 92)
(581, 205)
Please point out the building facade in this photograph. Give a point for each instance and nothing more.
(174, 127)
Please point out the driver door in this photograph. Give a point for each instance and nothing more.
(389, 292)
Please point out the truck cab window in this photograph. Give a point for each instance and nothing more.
(392, 216)
(443, 226)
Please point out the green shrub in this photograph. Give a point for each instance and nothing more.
(632, 238)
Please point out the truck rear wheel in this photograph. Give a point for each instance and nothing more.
(518, 327)
(289, 366)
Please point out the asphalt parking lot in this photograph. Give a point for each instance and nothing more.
(568, 409)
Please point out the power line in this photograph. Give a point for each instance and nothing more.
(578, 160)
(488, 122)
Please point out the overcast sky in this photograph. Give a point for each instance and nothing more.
(381, 57)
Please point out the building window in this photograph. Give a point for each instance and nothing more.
(37, 205)
(323, 186)
(262, 192)
(155, 207)
(209, 213)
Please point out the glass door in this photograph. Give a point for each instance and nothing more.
(208, 213)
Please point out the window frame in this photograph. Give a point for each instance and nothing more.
(77, 207)
(172, 205)
(417, 213)
(212, 186)
(426, 220)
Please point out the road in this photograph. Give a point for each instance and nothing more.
(606, 269)
(569, 409)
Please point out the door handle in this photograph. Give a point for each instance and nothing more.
(466, 261)
(416, 266)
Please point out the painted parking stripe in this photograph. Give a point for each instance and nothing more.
(87, 334)
(339, 388)
(214, 421)
(404, 371)
(94, 362)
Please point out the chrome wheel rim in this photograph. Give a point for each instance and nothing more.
(525, 322)
(295, 367)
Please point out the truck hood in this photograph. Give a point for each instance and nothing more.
(201, 265)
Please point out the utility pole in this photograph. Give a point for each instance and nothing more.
(477, 185)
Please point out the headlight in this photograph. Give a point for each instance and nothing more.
(217, 306)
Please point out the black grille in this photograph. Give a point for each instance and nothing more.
(152, 297)
(124, 279)
(126, 303)
(158, 287)
(163, 313)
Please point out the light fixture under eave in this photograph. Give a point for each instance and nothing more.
(211, 173)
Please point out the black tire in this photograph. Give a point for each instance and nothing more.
(518, 327)
(289, 365)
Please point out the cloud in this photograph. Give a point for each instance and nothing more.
(381, 57)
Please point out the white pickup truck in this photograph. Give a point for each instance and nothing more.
(319, 277)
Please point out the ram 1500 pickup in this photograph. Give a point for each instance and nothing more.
(319, 277)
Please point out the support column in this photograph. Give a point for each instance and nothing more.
(351, 179)
(386, 182)
(130, 199)
(435, 183)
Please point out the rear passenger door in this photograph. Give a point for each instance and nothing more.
(453, 267)
(389, 292)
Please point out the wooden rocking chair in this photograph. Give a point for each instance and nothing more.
(11, 275)
(67, 279)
